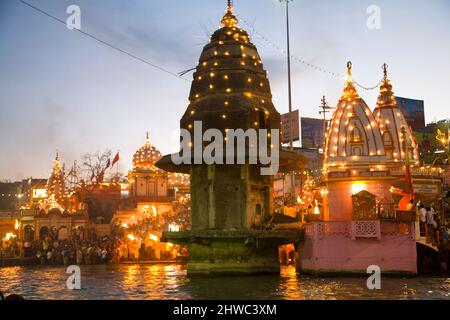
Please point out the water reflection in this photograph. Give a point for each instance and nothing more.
(171, 282)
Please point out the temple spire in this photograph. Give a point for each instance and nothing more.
(229, 19)
(349, 69)
(386, 97)
(385, 66)
(350, 92)
(147, 139)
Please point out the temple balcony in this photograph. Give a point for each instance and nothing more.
(355, 230)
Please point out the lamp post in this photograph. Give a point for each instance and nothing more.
(291, 138)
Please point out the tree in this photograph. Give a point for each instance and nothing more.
(95, 165)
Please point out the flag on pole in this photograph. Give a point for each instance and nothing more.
(408, 176)
(116, 159)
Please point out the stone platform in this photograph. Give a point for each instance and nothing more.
(242, 252)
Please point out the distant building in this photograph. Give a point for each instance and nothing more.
(151, 191)
(9, 195)
(414, 112)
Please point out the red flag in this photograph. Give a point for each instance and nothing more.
(116, 159)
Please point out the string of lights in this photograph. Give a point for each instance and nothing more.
(299, 60)
(101, 41)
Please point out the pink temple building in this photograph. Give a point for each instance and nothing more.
(361, 224)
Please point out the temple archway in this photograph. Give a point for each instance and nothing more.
(28, 233)
(43, 233)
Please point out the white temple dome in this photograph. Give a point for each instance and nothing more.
(146, 156)
(353, 133)
(393, 125)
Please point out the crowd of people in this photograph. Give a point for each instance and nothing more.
(431, 225)
(64, 252)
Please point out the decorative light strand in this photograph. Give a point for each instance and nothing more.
(299, 60)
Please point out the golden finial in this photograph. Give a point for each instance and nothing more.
(386, 97)
(349, 69)
(147, 139)
(385, 66)
(229, 19)
(350, 90)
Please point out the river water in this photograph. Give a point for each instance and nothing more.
(154, 282)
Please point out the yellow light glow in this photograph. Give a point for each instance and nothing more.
(174, 227)
(131, 237)
(358, 187)
(153, 237)
(316, 209)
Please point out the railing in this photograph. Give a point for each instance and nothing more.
(334, 229)
(366, 229)
(354, 230)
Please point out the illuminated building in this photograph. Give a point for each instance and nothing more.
(148, 187)
(355, 156)
(229, 202)
(145, 179)
(365, 157)
(56, 188)
(151, 207)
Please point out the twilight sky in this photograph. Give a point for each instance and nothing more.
(61, 89)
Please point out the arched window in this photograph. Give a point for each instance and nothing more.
(355, 135)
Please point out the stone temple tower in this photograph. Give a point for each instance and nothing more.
(229, 202)
(230, 91)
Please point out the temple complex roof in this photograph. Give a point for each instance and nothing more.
(393, 125)
(230, 89)
(55, 184)
(146, 157)
(353, 137)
